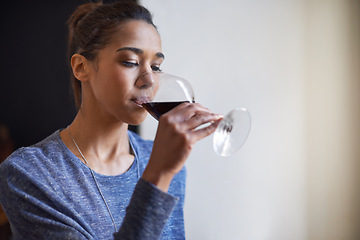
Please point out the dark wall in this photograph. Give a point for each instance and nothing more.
(35, 97)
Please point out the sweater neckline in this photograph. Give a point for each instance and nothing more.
(132, 170)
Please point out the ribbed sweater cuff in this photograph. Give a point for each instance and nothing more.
(147, 213)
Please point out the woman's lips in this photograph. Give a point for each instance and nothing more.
(137, 102)
(141, 101)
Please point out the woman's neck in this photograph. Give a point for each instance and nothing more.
(104, 144)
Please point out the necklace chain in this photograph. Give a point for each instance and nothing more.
(93, 176)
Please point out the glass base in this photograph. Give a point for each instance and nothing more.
(232, 132)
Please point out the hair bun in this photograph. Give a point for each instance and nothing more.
(80, 12)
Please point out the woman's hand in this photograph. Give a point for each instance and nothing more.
(176, 135)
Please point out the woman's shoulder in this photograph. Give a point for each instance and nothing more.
(30, 159)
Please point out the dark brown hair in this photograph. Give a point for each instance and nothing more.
(91, 27)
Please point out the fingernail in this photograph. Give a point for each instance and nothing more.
(218, 116)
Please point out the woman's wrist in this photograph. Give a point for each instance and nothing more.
(160, 179)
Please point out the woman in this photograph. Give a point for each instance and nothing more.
(95, 179)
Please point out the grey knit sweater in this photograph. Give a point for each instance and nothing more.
(48, 193)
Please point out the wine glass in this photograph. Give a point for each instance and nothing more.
(230, 134)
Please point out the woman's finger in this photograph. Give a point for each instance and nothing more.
(186, 111)
(205, 131)
(199, 120)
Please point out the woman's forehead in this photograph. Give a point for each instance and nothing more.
(137, 33)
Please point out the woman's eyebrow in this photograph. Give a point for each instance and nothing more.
(160, 55)
(132, 49)
(139, 51)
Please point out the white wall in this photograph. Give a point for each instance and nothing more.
(333, 119)
(253, 54)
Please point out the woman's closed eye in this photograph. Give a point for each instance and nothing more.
(130, 64)
(156, 68)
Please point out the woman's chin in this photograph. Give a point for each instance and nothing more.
(139, 118)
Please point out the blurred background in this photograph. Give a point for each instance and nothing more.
(295, 64)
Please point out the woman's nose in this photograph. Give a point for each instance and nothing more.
(146, 80)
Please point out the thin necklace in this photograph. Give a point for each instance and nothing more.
(93, 176)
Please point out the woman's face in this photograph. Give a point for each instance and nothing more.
(128, 64)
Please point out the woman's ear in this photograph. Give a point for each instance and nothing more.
(80, 67)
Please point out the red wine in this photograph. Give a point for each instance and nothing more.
(156, 109)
